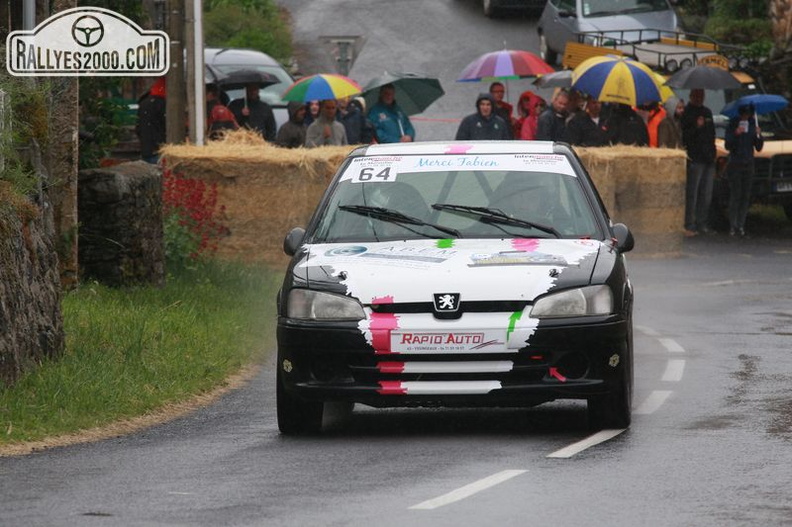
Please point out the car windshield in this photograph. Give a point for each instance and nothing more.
(442, 196)
(615, 7)
(271, 94)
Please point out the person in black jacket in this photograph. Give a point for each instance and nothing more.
(698, 136)
(150, 126)
(251, 112)
(552, 121)
(587, 128)
(743, 136)
(483, 124)
(625, 126)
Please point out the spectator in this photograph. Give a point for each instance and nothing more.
(743, 136)
(484, 124)
(625, 126)
(655, 113)
(150, 126)
(529, 107)
(669, 131)
(312, 112)
(391, 124)
(326, 130)
(698, 136)
(502, 109)
(292, 133)
(552, 121)
(253, 113)
(218, 117)
(587, 128)
(358, 128)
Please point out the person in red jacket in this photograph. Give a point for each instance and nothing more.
(529, 106)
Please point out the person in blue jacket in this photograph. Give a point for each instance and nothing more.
(743, 136)
(391, 124)
(484, 124)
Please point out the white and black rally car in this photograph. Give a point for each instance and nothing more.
(456, 274)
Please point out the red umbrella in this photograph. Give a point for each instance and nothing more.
(504, 65)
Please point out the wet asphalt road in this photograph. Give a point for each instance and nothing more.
(710, 445)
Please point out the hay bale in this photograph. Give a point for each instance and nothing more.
(265, 190)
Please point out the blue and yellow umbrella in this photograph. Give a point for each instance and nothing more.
(617, 79)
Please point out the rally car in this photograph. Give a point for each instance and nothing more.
(456, 274)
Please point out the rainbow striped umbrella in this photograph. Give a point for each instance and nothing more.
(320, 87)
(617, 79)
(504, 65)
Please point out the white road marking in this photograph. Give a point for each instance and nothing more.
(468, 490)
(675, 368)
(647, 331)
(653, 402)
(580, 446)
(672, 346)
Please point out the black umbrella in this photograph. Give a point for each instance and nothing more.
(241, 78)
(703, 78)
(556, 79)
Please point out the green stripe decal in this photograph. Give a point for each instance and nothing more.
(445, 244)
(512, 322)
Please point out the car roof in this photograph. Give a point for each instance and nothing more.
(458, 147)
(238, 56)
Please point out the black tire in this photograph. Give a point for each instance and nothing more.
(297, 416)
(547, 54)
(614, 410)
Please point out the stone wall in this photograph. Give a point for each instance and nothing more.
(31, 325)
(120, 235)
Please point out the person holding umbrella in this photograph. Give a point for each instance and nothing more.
(698, 137)
(391, 124)
(743, 137)
(253, 113)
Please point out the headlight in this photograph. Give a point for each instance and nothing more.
(316, 305)
(585, 301)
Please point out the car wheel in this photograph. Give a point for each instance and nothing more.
(547, 54)
(297, 416)
(489, 8)
(614, 410)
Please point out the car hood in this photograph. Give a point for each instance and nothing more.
(411, 271)
(664, 20)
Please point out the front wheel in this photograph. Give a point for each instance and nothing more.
(297, 416)
(614, 409)
(547, 54)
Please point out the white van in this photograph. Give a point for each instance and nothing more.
(563, 20)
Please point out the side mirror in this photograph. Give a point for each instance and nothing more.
(293, 240)
(624, 238)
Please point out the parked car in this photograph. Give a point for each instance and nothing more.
(456, 274)
(563, 20)
(226, 60)
(494, 7)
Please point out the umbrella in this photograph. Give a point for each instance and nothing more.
(212, 75)
(503, 65)
(616, 79)
(665, 91)
(414, 92)
(321, 86)
(762, 102)
(704, 78)
(241, 78)
(555, 79)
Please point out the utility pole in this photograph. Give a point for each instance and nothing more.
(196, 99)
(175, 101)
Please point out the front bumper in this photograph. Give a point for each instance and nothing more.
(561, 360)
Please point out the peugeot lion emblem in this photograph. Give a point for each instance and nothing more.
(446, 302)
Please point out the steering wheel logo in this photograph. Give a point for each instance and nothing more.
(87, 31)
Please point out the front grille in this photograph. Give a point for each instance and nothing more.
(505, 306)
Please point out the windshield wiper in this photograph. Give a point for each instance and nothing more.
(395, 216)
(495, 216)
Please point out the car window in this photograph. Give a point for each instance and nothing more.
(612, 7)
(533, 194)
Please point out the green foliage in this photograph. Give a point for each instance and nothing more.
(101, 119)
(260, 29)
(131, 351)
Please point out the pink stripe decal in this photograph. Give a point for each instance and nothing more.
(390, 367)
(391, 388)
(525, 244)
(381, 326)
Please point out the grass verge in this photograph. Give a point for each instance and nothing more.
(132, 351)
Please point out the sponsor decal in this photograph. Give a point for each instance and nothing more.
(87, 41)
(442, 341)
(516, 258)
(445, 244)
(351, 250)
(415, 254)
